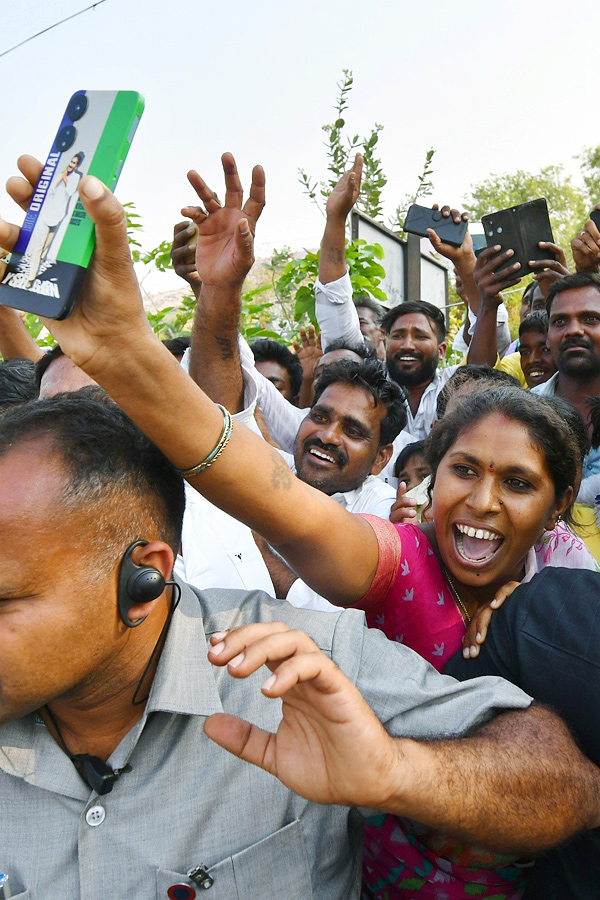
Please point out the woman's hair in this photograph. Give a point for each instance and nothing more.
(550, 431)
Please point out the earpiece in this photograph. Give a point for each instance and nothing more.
(137, 584)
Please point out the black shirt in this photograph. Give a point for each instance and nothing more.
(546, 639)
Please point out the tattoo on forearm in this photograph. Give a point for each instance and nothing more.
(336, 255)
(225, 347)
(281, 475)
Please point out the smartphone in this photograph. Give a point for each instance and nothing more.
(595, 217)
(48, 263)
(520, 228)
(420, 218)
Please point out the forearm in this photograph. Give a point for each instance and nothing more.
(214, 355)
(249, 480)
(483, 349)
(15, 340)
(332, 260)
(520, 785)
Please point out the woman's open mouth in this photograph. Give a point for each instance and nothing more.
(476, 545)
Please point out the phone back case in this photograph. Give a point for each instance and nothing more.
(520, 228)
(420, 218)
(50, 258)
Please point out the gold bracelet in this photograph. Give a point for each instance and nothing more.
(218, 449)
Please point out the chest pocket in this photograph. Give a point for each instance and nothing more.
(275, 868)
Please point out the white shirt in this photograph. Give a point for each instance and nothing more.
(219, 551)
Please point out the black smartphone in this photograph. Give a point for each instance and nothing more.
(520, 228)
(595, 217)
(420, 218)
(47, 265)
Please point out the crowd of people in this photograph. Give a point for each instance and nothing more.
(304, 559)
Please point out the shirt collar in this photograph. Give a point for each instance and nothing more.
(185, 680)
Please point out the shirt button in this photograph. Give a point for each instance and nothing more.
(95, 815)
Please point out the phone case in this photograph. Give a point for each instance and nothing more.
(520, 228)
(420, 218)
(47, 266)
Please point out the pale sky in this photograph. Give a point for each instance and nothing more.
(492, 87)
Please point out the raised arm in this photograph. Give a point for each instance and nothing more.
(109, 337)
(224, 233)
(490, 282)
(334, 309)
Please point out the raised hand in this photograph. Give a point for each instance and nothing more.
(585, 247)
(488, 277)
(551, 269)
(109, 306)
(346, 192)
(308, 350)
(404, 508)
(462, 255)
(225, 241)
(326, 724)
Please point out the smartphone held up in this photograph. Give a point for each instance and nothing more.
(48, 263)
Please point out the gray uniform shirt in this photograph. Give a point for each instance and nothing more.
(186, 801)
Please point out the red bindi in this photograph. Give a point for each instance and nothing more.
(491, 468)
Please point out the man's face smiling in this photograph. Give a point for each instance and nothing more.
(413, 350)
(337, 445)
(574, 333)
(536, 358)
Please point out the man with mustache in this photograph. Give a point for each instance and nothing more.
(573, 306)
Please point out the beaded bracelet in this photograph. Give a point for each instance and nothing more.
(214, 454)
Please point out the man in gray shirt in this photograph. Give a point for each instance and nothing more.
(110, 785)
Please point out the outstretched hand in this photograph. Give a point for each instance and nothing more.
(346, 192)
(457, 255)
(225, 240)
(404, 508)
(326, 724)
(490, 278)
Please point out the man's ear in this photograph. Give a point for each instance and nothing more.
(382, 458)
(155, 555)
(442, 349)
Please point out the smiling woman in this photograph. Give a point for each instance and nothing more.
(504, 467)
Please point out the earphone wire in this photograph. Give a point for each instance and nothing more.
(135, 700)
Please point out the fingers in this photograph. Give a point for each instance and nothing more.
(404, 509)
(233, 186)
(248, 648)
(206, 195)
(476, 633)
(447, 212)
(490, 277)
(9, 234)
(244, 244)
(244, 740)
(256, 201)
(103, 208)
(21, 189)
(557, 252)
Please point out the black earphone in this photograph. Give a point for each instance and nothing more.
(137, 584)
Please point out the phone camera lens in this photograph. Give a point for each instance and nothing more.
(77, 107)
(65, 138)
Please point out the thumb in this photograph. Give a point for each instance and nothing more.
(108, 215)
